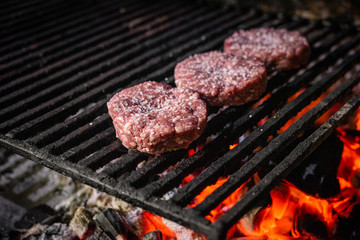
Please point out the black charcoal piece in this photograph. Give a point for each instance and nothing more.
(112, 223)
(317, 174)
(310, 224)
(154, 235)
(82, 223)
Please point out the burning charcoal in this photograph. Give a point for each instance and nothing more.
(309, 224)
(82, 223)
(316, 175)
(112, 223)
(154, 235)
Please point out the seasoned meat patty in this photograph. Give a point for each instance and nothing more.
(221, 78)
(153, 117)
(278, 48)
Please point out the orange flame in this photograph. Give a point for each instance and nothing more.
(228, 203)
(281, 219)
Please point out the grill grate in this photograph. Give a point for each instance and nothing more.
(59, 69)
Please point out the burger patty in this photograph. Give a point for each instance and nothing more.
(280, 49)
(221, 78)
(153, 117)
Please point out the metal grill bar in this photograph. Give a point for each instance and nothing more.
(106, 54)
(78, 28)
(100, 79)
(100, 140)
(129, 161)
(17, 16)
(42, 114)
(7, 8)
(213, 171)
(240, 126)
(285, 139)
(137, 177)
(102, 33)
(31, 35)
(26, 128)
(41, 84)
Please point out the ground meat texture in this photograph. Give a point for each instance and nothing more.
(280, 49)
(221, 78)
(153, 117)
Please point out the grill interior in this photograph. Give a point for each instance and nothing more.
(61, 61)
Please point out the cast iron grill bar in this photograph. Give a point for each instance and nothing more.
(45, 83)
(185, 168)
(288, 136)
(101, 78)
(100, 140)
(97, 68)
(197, 184)
(135, 179)
(105, 33)
(7, 8)
(104, 155)
(100, 160)
(26, 13)
(27, 20)
(86, 53)
(30, 35)
(287, 165)
(249, 119)
(48, 44)
(47, 30)
(189, 218)
(178, 155)
(16, 9)
(92, 161)
(216, 123)
(124, 163)
(109, 33)
(81, 134)
(108, 86)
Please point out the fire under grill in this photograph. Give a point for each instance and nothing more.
(61, 61)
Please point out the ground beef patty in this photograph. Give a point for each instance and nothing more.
(278, 48)
(221, 78)
(153, 117)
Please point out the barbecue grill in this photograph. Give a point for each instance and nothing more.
(61, 61)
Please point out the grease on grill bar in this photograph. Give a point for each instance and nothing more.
(57, 73)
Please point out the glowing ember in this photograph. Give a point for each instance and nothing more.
(153, 222)
(290, 206)
(232, 146)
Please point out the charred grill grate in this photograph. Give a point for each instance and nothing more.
(59, 69)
